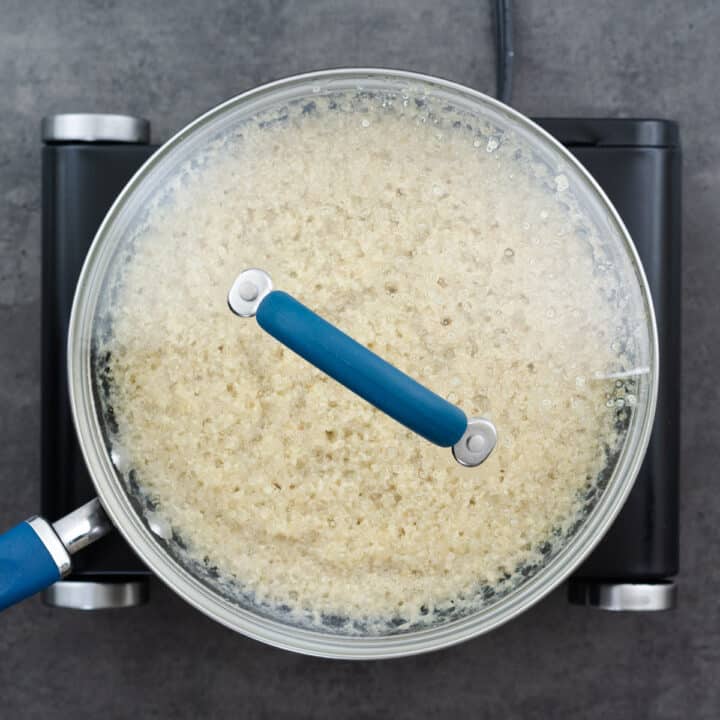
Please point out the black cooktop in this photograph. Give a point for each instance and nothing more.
(637, 162)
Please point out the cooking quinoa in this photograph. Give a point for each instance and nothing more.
(445, 250)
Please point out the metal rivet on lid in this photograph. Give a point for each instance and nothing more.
(248, 291)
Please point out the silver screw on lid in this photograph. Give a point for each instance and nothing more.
(248, 291)
(477, 442)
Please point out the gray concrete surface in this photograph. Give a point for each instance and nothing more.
(172, 60)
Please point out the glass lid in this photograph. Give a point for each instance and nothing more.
(439, 230)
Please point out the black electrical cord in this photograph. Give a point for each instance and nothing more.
(504, 47)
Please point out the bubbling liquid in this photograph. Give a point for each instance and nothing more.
(444, 249)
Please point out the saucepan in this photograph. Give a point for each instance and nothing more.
(363, 363)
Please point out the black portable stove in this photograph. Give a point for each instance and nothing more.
(87, 159)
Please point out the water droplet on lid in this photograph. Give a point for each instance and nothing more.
(476, 143)
(550, 312)
(120, 459)
(365, 122)
(159, 525)
(580, 381)
(610, 403)
(316, 88)
(509, 252)
(561, 183)
(544, 214)
(437, 190)
(526, 226)
(492, 145)
(631, 400)
(619, 402)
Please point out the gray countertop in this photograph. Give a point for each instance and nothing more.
(169, 62)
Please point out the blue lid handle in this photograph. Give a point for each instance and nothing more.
(359, 369)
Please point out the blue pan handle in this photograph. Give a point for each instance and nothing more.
(35, 554)
(360, 369)
(27, 563)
